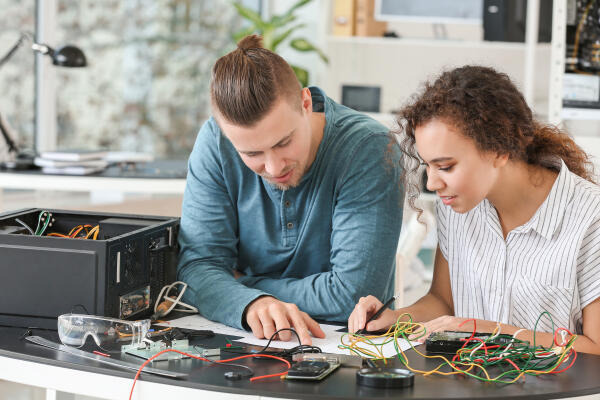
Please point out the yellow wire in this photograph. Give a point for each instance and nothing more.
(405, 328)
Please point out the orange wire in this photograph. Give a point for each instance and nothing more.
(218, 361)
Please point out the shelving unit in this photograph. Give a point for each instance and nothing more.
(399, 66)
(557, 61)
(556, 112)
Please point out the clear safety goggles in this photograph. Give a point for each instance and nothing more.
(109, 333)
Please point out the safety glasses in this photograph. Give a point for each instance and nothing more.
(110, 334)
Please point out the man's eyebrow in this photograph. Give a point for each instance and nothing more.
(284, 139)
(275, 145)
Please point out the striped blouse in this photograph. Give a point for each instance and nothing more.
(551, 263)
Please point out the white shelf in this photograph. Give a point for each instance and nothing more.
(469, 44)
(581, 114)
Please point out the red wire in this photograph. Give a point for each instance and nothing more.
(567, 367)
(556, 334)
(218, 361)
(485, 348)
(511, 362)
(474, 327)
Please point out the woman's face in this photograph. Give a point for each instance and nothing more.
(456, 170)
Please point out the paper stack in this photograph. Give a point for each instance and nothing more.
(72, 162)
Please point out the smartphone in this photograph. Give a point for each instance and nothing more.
(308, 369)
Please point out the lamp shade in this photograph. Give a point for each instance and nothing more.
(68, 56)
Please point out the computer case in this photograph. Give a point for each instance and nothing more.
(117, 275)
(505, 20)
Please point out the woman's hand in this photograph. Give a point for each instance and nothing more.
(363, 310)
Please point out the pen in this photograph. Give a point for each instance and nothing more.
(374, 316)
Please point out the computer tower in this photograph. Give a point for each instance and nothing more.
(505, 20)
(119, 274)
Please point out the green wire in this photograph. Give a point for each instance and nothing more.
(520, 353)
(38, 231)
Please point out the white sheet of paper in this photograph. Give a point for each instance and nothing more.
(330, 343)
(198, 322)
(327, 345)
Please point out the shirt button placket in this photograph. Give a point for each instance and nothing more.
(289, 218)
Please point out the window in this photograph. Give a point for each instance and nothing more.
(17, 75)
(146, 86)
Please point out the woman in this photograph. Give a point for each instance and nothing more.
(518, 215)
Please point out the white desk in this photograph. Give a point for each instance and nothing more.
(57, 383)
(169, 180)
(17, 180)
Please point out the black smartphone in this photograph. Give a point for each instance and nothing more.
(308, 369)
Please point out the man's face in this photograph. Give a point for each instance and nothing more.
(279, 147)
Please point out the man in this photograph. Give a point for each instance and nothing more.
(293, 205)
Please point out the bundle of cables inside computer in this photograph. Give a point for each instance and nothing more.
(513, 359)
(46, 220)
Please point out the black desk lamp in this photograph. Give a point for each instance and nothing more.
(65, 56)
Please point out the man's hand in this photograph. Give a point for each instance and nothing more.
(266, 315)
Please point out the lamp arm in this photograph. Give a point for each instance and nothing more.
(42, 48)
(24, 36)
(12, 147)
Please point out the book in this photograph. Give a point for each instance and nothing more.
(127, 157)
(75, 170)
(343, 17)
(365, 23)
(45, 162)
(73, 155)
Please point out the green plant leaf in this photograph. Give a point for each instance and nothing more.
(281, 37)
(301, 74)
(287, 17)
(268, 36)
(239, 35)
(296, 6)
(281, 20)
(305, 45)
(250, 15)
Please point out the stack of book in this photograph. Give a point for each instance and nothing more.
(72, 162)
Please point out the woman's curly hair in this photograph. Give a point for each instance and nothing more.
(485, 106)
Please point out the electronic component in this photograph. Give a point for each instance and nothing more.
(118, 275)
(233, 376)
(345, 360)
(311, 370)
(146, 350)
(449, 342)
(385, 378)
(102, 359)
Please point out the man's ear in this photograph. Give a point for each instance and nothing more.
(306, 100)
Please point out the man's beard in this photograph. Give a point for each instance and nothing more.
(294, 180)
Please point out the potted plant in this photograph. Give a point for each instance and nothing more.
(277, 31)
